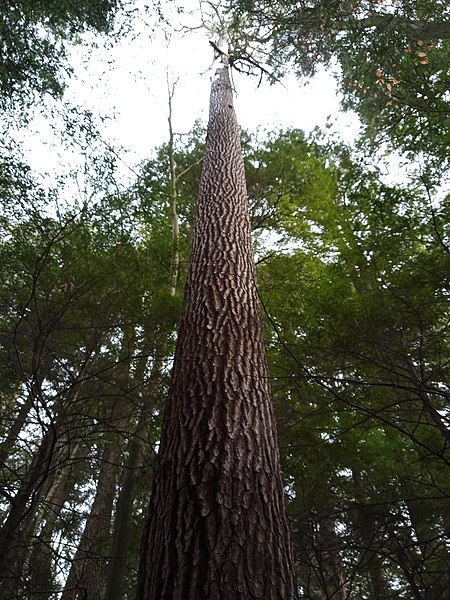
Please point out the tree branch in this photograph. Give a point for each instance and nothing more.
(426, 29)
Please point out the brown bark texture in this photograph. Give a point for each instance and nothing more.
(216, 526)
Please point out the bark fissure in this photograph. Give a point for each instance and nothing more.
(216, 526)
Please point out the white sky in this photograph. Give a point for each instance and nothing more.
(128, 83)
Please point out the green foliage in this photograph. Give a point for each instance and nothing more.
(288, 186)
(392, 57)
(34, 43)
(353, 274)
(86, 316)
(357, 332)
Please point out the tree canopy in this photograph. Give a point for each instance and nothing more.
(35, 39)
(391, 59)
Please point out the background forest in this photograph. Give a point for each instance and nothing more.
(353, 274)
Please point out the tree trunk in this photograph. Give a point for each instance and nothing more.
(330, 572)
(88, 572)
(216, 527)
(53, 452)
(371, 535)
(14, 529)
(175, 265)
(86, 578)
(122, 521)
(432, 557)
(7, 445)
(137, 451)
(42, 585)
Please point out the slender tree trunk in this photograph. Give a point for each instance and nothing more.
(175, 266)
(372, 541)
(216, 528)
(124, 508)
(87, 575)
(122, 520)
(14, 529)
(331, 573)
(86, 579)
(53, 451)
(432, 557)
(7, 445)
(41, 576)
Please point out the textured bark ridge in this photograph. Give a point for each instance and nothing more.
(216, 527)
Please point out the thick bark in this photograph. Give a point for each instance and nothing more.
(216, 527)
